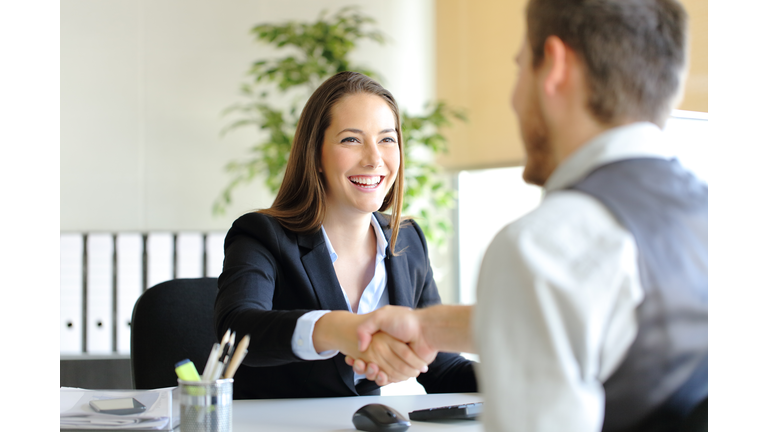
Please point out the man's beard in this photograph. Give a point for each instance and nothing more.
(538, 148)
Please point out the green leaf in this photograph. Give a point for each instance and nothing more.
(309, 53)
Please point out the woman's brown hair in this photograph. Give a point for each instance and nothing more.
(300, 202)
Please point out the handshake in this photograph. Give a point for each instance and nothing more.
(395, 343)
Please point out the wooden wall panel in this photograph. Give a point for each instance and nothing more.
(476, 42)
(476, 45)
(696, 96)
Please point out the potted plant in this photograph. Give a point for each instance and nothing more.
(276, 90)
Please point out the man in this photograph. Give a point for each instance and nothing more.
(592, 309)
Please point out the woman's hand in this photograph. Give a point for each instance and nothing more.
(370, 370)
(444, 326)
(401, 322)
(337, 330)
(387, 360)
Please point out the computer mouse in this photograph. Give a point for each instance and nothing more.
(379, 418)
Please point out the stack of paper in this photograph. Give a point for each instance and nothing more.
(162, 412)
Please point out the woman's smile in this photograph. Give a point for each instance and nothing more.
(366, 182)
(360, 154)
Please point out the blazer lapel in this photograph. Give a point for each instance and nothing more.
(319, 268)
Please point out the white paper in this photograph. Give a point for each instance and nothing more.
(161, 414)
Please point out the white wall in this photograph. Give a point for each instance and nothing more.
(143, 84)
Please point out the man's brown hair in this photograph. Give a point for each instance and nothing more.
(300, 202)
(634, 51)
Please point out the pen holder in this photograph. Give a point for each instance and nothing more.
(206, 406)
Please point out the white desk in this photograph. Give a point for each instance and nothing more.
(335, 414)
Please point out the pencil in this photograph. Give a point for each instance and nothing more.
(237, 357)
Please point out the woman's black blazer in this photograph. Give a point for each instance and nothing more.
(272, 276)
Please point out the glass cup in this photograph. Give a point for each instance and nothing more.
(206, 406)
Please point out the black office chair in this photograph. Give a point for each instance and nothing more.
(172, 321)
(698, 419)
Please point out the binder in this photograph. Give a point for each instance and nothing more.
(214, 254)
(189, 255)
(130, 250)
(71, 290)
(159, 258)
(99, 302)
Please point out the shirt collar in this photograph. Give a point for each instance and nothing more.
(381, 241)
(635, 140)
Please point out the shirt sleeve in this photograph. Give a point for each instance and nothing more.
(555, 315)
(301, 342)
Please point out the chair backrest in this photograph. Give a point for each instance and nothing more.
(172, 321)
(698, 419)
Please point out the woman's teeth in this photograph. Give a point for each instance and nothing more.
(366, 181)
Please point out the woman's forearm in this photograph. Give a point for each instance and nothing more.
(335, 331)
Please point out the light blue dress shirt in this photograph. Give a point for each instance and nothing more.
(374, 296)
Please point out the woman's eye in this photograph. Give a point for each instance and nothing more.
(389, 140)
(349, 139)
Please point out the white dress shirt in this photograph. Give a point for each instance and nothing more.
(557, 293)
(374, 296)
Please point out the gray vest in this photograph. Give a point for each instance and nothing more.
(664, 374)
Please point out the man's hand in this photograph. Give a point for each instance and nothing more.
(371, 370)
(401, 323)
(387, 360)
(440, 327)
(336, 330)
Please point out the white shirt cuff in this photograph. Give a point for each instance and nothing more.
(301, 342)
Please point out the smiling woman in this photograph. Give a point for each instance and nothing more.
(298, 276)
(359, 163)
(337, 112)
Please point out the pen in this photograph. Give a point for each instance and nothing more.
(225, 354)
(211, 363)
(231, 349)
(237, 357)
(219, 351)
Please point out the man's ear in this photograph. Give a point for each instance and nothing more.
(555, 58)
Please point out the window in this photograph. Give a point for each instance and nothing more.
(490, 199)
(688, 134)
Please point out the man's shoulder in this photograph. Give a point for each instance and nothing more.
(564, 218)
(560, 208)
